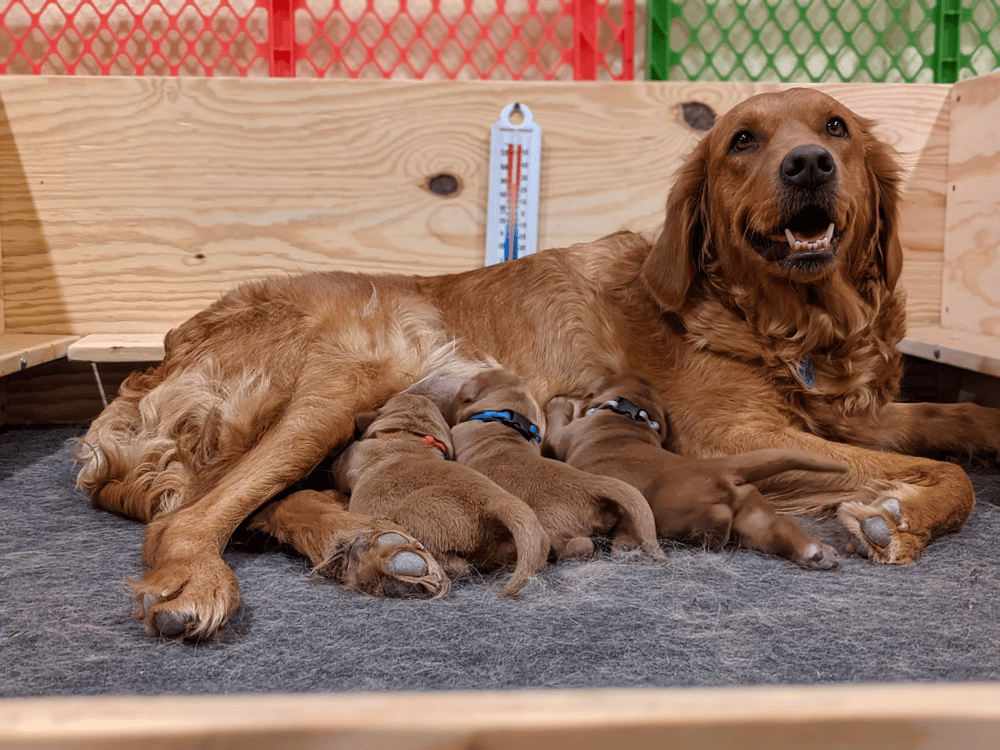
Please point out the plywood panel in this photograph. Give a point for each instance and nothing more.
(127, 204)
(971, 289)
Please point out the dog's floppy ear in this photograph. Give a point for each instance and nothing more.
(675, 259)
(364, 420)
(885, 175)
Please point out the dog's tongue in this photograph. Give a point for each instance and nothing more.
(800, 241)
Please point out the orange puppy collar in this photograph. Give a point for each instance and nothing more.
(431, 440)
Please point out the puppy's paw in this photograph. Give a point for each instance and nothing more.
(386, 563)
(881, 530)
(186, 599)
(817, 556)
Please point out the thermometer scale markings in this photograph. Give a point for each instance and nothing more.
(512, 210)
(513, 194)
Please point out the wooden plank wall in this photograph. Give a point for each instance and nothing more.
(127, 204)
(971, 283)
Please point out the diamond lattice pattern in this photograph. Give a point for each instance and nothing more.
(517, 40)
(818, 40)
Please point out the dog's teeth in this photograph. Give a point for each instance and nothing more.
(808, 245)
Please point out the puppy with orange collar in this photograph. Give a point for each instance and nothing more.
(398, 469)
(619, 431)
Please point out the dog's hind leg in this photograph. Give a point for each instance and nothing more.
(637, 526)
(530, 539)
(187, 589)
(359, 552)
(757, 525)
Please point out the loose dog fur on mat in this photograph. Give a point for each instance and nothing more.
(399, 469)
(572, 505)
(619, 431)
(766, 313)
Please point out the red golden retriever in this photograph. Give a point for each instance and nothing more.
(766, 312)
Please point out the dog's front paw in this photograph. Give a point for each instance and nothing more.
(187, 599)
(386, 563)
(881, 530)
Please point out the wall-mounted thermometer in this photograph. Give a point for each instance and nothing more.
(512, 208)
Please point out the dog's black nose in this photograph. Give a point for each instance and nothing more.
(808, 166)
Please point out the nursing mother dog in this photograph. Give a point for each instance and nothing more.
(766, 311)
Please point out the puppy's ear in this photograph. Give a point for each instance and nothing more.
(675, 259)
(885, 175)
(363, 421)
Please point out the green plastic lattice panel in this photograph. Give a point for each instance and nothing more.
(979, 38)
(822, 40)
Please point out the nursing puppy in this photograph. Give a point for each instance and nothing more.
(620, 431)
(497, 432)
(399, 469)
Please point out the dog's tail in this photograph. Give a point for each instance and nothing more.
(637, 524)
(530, 539)
(762, 464)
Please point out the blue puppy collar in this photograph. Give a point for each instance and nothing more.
(511, 419)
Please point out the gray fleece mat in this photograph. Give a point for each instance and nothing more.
(704, 618)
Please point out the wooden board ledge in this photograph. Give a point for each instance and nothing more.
(19, 351)
(117, 347)
(970, 350)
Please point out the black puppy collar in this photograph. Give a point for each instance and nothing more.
(630, 409)
(511, 419)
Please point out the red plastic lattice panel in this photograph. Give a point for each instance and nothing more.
(524, 39)
(139, 37)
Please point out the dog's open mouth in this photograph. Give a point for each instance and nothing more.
(808, 242)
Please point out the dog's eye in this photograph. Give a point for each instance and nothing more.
(742, 141)
(836, 127)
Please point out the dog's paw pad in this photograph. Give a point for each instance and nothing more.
(392, 537)
(171, 624)
(407, 564)
(387, 563)
(877, 531)
(166, 623)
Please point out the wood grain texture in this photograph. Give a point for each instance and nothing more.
(865, 717)
(117, 347)
(19, 351)
(971, 286)
(959, 347)
(127, 204)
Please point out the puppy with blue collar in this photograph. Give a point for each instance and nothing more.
(620, 430)
(497, 430)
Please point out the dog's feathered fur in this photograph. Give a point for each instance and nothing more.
(709, 313)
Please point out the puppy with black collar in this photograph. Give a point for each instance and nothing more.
(497, 430)
(619, 431)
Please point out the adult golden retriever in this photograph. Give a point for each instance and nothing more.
(766, 311)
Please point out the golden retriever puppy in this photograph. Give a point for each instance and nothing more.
(399, 469)
(619, 432)
(497, 433)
